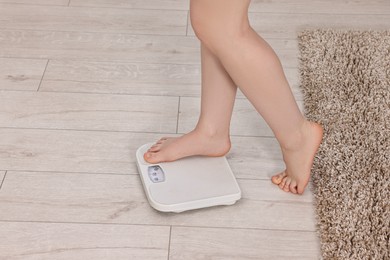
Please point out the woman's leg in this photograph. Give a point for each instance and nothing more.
(223, 26)
(211, 135)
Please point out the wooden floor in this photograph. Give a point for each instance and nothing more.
(83, 83)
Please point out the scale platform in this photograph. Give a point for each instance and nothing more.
(189, 183)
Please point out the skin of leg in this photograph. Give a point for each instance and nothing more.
(218, 95)
(223, 26)
(211, 135)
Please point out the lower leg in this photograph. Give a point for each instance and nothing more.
(211, 135)
(218, 95)
(256, 69)
(263, 81)
(251, 63)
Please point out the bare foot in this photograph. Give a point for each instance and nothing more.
(299, 159)
(169, 149)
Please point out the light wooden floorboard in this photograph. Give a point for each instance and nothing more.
(74, 151)
(85, 83)
(52, 110)
(287, 26)
(132, 78)
(139, 4)
(99, 46)
(114, 152)
(21, 74)
(88, 19)
(263, 6)
(321, 6)
(117, 47)
(2, 175)
(69, 241)
(112, 198)
(38, 2)
(245, 120)
(255, 157)
(122, 77)
(213, 243)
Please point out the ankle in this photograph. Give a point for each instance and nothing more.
(218, 140)
(295, 140)
(212, 133)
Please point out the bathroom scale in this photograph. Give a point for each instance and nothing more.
(190, 183)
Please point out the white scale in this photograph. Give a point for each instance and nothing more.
(189, 183)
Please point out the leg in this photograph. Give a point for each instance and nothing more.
(211, 135)
(223, 26)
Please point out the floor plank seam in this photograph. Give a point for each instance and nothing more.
(243, 228)
(130, 132)
(121, 174)
(311, 13)
(2, 181)
(155, 225)
(112, 173)
(278, 201)
(93, 93)
(188, 24)
(94, 60)
(6, 29)
(86, 130)
(113, 93)
(35, 4)
(43, 75)
(169, 242)
(131, 8)
(187, 9)
(131, 34)
(70, 173)
(95, 6)
(22, 58)
(78, 223)
(178, 116)
(110, 61)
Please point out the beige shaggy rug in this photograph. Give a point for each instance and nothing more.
(345, 79)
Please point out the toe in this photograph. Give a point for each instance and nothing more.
(300, 189)
(148, 155)
(152, 157)
(282, 183)
(161, 140)
(277, 179)
(293, 187)
(286, 187)
(154, 148)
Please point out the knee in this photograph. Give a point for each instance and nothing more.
(199, 22)
(214, 27)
